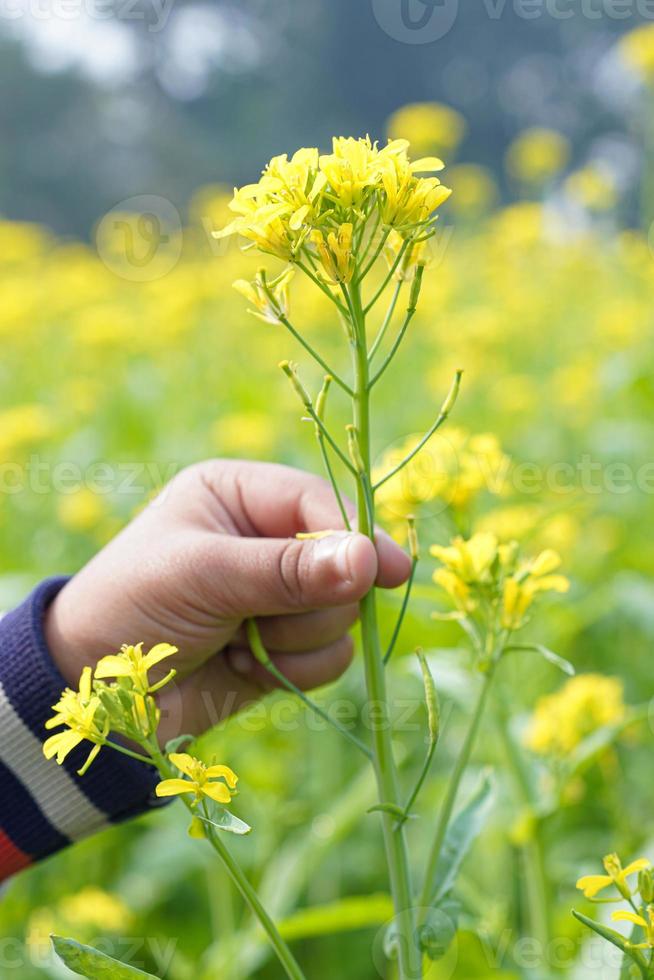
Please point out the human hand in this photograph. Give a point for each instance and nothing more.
(216, 547)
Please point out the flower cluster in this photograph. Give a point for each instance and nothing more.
(640, 915)
(487, 579)
(315, 206)
(582, 705)
(453, 471)
(126, 706)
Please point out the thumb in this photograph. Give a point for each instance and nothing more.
(274, 576)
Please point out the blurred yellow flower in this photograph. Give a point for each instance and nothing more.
(216, 782)
(593, 188)
(537, 155)
(560, 721)
(476, 190)
(430, 127)
(23, 425)
(637, 49)
(95, 907)
(82, 510)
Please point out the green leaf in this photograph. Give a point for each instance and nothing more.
(615, 939)
(547, 654)
(175, 744)
(392, 808)
(345, 915)
(89, 962)
(224, 820)
(461, 834)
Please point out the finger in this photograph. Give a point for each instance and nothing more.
(245, 577)
(268, 499)
(233, 680)
(302, 631)
(278, 501)
(311, 669)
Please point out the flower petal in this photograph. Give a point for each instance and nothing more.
(174, 787)
(592, 884)
(639, 865)
(217, 792)
(158, 653)
(113, 666)
(230, 777)
(184, 762)
(624, 916)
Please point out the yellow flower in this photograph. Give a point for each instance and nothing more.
(637, 49)
(616, 875)
(270, 299)
(409, 200)
(79, 712)
(469, 560)
(537, 155)
(521, 589)
(215, 782)
(430, 127)
(132, 663)
(335, 253)
(593, 188)
(476, 191)
(638, 920)
(582, 705)
(82, 510)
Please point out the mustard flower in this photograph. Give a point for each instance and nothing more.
(215, 782)
(270, 300)
(84, 720)
(638, 920)
(592, 885)
(583, 704)
(133, 664)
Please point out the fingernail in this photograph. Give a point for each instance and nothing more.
(336, 550)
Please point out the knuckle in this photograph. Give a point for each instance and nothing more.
(290, 569)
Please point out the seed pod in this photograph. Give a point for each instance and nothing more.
(431, 698)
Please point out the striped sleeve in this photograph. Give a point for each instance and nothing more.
(43, 806)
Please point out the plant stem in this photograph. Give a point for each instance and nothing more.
(402, 613)
(262, 656)
(409, 955)
(332, 478)
(447, 807)
(386, 322)
(286, 958)
(314, 354)
(537, 884)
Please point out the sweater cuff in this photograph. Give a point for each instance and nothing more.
(43, 806)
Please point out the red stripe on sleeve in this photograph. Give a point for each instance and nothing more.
(12, 859)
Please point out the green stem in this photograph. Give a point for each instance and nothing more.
(420, 781)
(538, 891)
(286, 958)
(443, 414)
(447, 807)
(124, 751)
(314, 353)
(409, 955)
(262, 656)
(387, 319)
(321, 286)
(400, 618)
(332, 479)
(388, 277)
